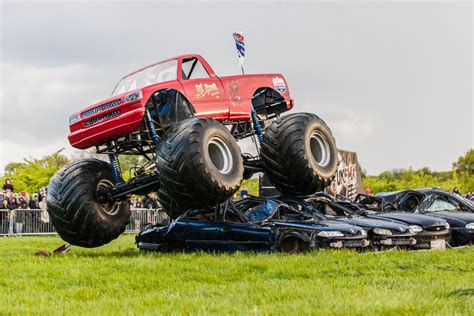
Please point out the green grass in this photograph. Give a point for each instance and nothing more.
(119, 279)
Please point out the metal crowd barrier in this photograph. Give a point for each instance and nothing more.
(23, 222)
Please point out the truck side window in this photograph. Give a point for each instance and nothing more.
(193, 69)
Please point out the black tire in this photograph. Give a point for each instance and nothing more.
(293, 245)
(299, 154)
(194, 171)
(74, 207)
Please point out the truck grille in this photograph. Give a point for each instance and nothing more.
(101, 108)
(104, 117)
(435, 228)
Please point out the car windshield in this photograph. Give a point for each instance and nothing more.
(440, 204)
(161, 72)
(262, 212)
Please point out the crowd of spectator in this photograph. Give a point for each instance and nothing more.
(467, 195)
(14, 220)
(12, 200)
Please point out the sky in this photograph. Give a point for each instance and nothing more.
(393, 80)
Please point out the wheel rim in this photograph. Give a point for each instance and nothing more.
(220, 155)
(109, 207)
(320, 149)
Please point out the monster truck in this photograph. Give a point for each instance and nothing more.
(185, 121)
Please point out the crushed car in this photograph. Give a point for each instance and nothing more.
(432, 233)
(383, 234)
(253, 224)
(457, 211)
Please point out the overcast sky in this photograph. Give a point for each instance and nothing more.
(393, 80)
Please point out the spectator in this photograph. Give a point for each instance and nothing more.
(22, 202)
(34, 202)
(244, 192)
(42, 193)
(42, 203)
(13, 205)
(456, 191)
(368, 191)
(8, 185)
(138, 203)
(5, 205)
(44, 216)
(151, 202)
(8, 194)
(4, 223)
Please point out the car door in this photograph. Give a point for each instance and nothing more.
(204, 90)
(197, 232)
(241, 236)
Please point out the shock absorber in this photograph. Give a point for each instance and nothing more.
(114, 165)
(151, 127)
(256, 124)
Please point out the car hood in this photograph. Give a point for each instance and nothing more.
(410, 219)
(322, 226)
(153, 233)
(371, 223)
(455, 219)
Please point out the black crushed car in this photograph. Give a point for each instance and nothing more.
(253, 224)
(432, 233)
(457, 211)
(382, 233)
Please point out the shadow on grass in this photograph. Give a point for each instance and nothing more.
(461, 292)
(128, 253)
(116, 254)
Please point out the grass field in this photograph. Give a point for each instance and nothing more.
(119, 279)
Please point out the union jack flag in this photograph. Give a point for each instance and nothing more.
(240, 45)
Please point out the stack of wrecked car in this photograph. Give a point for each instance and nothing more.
(437, 203)
(383, 234)
(252, 224)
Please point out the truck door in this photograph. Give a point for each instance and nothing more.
(203, 90)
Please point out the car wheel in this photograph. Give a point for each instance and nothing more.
(79, 208)
(200, 165)
(299, 154)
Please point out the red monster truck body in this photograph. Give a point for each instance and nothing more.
(221, 98)
(184, 122)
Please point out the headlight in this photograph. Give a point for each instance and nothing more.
(382, 231)
(363, 233)
(330, 234)
(447, 226)
(74, 118)
(416, 228)
(470, 226)
(133, 96)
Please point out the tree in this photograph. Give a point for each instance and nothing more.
(32, 174)
(463, 169)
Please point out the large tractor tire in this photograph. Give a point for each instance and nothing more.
(299, 154)
(200, 165)
(78, 207)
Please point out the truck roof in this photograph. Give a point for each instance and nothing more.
(165, 60)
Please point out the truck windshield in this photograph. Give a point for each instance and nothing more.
(161, 72)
